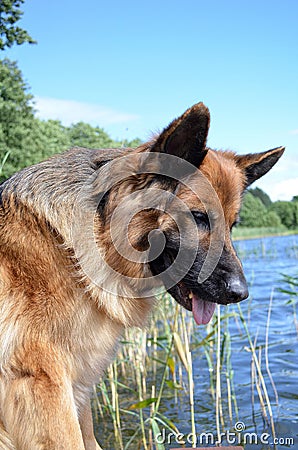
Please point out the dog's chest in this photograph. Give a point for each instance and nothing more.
(94, 343)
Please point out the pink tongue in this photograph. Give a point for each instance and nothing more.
(202, 310)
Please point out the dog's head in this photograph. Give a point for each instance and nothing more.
(177, 203)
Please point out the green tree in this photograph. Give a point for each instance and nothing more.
(259, 193)
(131, 144)
(288, 213)
(52, 137)
(39, 141)
(16, 111)
(255, 214)
(44, 139)
(252, 211)
(24, 139)
(271, 219)
(82, 134)
(15, 98)
(10, 32)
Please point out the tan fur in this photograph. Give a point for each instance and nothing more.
(58, 328)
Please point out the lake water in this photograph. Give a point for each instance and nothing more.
(264, 261)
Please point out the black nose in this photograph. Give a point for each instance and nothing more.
(236, 289)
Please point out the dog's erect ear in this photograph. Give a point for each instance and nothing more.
(256, 165)
(186, 136)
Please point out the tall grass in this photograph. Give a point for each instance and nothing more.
(2, 163)
(148, 369)
(154, 369)
(292, 291)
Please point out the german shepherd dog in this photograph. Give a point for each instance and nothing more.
(88, 238)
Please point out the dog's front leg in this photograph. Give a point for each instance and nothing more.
(86, 424)
(40, 414)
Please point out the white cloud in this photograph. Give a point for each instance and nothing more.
(71, 111)
(281, 190)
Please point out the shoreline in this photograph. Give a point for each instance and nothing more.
(258, 234)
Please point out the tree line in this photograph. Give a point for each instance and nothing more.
(259, 211)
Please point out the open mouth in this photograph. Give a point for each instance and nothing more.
(200, 299)
(202, 310)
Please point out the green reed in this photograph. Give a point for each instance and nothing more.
(291, 290)
(155, 365)
(2, 163)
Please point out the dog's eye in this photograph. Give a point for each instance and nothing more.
(201, 219)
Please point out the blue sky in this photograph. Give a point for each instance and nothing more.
(131, 67)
